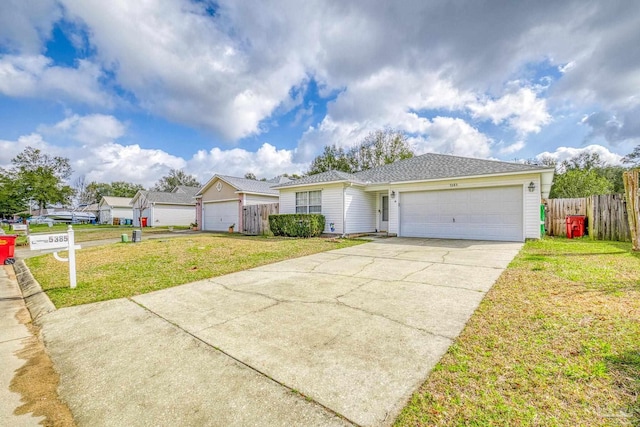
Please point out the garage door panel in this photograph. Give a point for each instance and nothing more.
(219, 216)
(482, 214)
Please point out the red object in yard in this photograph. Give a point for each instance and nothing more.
(144, 221)
(575, 226)
(7, 249)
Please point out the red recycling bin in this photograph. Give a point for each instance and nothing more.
(575, 226)
(7, 249)
(144, 221)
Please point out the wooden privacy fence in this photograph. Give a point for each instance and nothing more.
(606, 216)
(255, 218)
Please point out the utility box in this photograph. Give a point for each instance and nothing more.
(137, 236)
(575, 226)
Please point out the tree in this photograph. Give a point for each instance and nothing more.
(332, 158)
(124, 189)
(250, 175)
(175, 178)
(585, 175)
(633, 158)
(41, 178)
(379, 148)
(579, 183)
(376, 149)
(96, 190)
(10, 199)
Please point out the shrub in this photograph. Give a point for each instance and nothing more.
(296, 225)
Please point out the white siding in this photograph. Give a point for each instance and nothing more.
(254, 199)
(122, 213)
(105, 215)
(361, 210)
(164, 215)
(136, 216)
(331, 204)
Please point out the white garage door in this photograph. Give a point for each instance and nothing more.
(478, 214)
(219, 216)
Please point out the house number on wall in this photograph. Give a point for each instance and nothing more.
(219, 186)
(453, 185)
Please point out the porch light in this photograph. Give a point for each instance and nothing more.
(532, 187)
(393, 194)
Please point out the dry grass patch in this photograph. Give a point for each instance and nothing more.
(556, 342)
(125, 270)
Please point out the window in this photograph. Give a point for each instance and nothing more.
(309, 202)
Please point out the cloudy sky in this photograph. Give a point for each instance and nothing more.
(130, 89)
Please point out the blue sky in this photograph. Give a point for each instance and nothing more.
(128, 90)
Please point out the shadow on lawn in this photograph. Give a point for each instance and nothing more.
(626, 370)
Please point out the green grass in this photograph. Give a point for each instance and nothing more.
(556, 342)
(124, 270)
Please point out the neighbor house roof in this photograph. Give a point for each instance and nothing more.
(321, 178)
(165, 198)
(116, 202)
(243, 185)
(420, 168)
(183, 189)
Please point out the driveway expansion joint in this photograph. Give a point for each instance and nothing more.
(252, 368)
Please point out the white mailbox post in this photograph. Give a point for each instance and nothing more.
(55, 243)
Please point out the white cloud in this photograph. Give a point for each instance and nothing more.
(10, 149)
(115, 162)
(25, 23)
(36, 76)
(564, 153)
(522, 110)
(512, 148)
(93, 129)
(266, 162)
(449, 135)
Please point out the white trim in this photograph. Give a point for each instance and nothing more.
(382, 185)
(220, 201)
(255, 193)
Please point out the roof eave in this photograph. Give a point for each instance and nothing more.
(279, 187)
(529, 172)
(256, 193)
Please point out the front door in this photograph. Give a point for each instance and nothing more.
(384, 214)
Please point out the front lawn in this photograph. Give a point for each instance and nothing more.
(124, 270)
(556, 342)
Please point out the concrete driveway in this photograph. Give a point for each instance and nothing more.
(337, 338)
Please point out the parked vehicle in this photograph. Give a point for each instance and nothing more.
(36, 220)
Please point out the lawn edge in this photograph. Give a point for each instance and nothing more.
(35, 298)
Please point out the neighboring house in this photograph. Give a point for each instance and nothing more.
(431, 195)
(222, 199)
(114, 207)
(157, 208)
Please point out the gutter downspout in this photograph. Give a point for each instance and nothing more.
(344, 211)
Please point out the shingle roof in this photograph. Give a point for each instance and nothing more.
(169, 198)
(329, 176)
(250, 185)
(191, 191)
(116, 201)
(438, 166)
(425, 167)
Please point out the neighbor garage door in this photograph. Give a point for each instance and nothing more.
(480, 214)
(219, 216)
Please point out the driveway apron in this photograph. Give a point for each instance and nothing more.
(337, 338)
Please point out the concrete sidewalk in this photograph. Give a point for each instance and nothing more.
(13, 331)
(337, 338)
